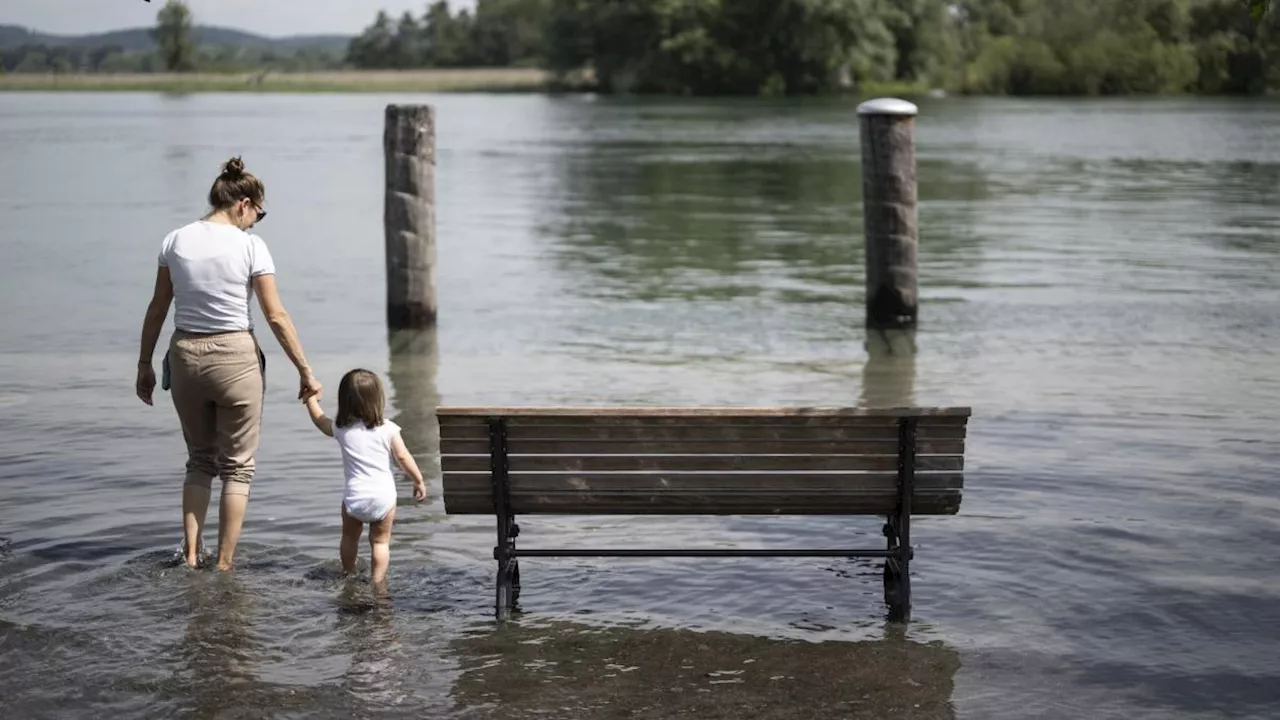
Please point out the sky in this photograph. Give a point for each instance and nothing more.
(266, 17)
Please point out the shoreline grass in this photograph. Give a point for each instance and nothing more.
(347, 81)
(433, 80)
(426, 80)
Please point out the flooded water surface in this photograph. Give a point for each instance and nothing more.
(1098, 282)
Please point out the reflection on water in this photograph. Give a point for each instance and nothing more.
(673, 226)
(564, 670)
(889, 375)
(374, 645)
(220, 648)
(651, 219)
(413, 362)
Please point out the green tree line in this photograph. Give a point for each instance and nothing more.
(707, 47)
(43, 59)
(176, 51)
(211, 58)
(500, 33)
(774, 47)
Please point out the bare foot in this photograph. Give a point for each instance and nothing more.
(191, 556)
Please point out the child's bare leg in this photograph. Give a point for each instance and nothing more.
(380, 545)
(352, 529)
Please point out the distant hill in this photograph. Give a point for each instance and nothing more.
(132, 39)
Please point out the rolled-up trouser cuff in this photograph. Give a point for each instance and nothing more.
(199, 478)
(236, 487)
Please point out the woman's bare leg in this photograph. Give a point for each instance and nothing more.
(233, 375)
(230, 519)
(195, 504)
(352, 529)
(380, 545)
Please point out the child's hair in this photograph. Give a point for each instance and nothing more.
(360, 398)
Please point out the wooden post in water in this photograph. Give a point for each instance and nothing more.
(409, 215)
(889, 212)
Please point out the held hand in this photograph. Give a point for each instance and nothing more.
(308, 386)
(145, 385)
(420, 491)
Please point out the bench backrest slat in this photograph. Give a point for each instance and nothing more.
(702, 461)
(451, 446)
(459, 424)
(705, 493)
(615, 414)
(720, 463)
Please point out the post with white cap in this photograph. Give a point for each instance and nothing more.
(409, 215)
(889, 212)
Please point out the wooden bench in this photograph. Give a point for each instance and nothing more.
(704, 461)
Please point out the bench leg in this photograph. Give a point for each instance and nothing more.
(897, 567)
(505, 599)
(508, 579)
(515, 583)
(897, 575)
(897, 589)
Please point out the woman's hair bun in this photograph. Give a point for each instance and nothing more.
(233, 169)
(233, 185)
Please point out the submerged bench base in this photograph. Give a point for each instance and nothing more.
(897, 584)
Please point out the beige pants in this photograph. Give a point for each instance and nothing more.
(217, 384)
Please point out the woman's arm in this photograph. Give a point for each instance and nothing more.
(152, 324)
(286, 334)
(318, 418)
(410, 467)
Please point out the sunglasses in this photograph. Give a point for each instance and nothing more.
(261, 213)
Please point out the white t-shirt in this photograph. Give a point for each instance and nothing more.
(212, 266)
(366, 461)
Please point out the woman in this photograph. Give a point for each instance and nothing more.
(211, 269)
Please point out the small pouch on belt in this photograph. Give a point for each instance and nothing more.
(262, 364)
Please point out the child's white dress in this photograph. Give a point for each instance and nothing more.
(370, 491)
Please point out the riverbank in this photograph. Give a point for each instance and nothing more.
(433, 80)
(336, 81)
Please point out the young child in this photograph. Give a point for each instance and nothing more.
(368, 443)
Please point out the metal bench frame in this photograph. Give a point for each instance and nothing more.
(897, 530)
